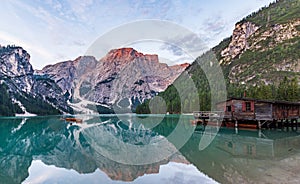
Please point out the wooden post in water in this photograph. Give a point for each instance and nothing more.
(236, 126)
(294, 124)
(287, 124)
(259, 133)
(281, 124)
(259, 125)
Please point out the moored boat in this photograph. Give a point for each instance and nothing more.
(76, 120)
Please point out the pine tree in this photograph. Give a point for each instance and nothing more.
(282, 89)
(293, 90)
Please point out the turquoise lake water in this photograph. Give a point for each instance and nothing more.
(143, 149)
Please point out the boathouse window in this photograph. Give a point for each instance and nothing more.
(248, 106)
(228, 108)
(250, 150)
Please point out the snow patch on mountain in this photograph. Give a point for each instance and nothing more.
(26, 114)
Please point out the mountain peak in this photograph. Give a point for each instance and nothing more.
(185, 65)
(15, 61)
(125, 51)
(128, 54)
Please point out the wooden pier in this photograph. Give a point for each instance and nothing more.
(251, 113)
(208, 117)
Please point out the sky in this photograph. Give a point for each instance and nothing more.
(52, 31)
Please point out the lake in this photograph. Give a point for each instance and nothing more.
(143, 149)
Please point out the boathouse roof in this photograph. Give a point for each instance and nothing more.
(262, 100)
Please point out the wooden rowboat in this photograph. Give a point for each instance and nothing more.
(76, 120)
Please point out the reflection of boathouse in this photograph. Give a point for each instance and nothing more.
(260, 112)
(259, 147)
(245, 156)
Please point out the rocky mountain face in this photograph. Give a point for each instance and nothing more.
(267, 43)
(16, 67)
(27, 93)
(121, 79)
(264, 47)
(239, 42)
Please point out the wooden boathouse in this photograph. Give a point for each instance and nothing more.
(256, 113)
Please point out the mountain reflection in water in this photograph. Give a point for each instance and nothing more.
(49, 150)
(34, 149)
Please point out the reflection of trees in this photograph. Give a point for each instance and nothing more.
(11, 168)
(52, 142)
(18, 147)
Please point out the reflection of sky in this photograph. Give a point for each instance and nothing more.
(55, 30)
(172, 172)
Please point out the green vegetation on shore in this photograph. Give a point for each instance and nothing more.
(34, 105)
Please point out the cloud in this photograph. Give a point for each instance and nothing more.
(37, 53)
(44, 21)
(174, 49)
(215, 25)
(153, 9)
(188, 44)
(26, 44)
(54, 4)
(81, 8)
(79, 43)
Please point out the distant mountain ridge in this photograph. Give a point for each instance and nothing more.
(121, 80)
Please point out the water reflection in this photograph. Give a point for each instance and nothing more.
(248, 156)
(52, 145)
(170, 173)
(38, 150)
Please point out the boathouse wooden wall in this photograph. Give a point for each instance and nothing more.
(263, 111)
(242, 110)
(238, 109)
(286, 111)
(253, 109)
